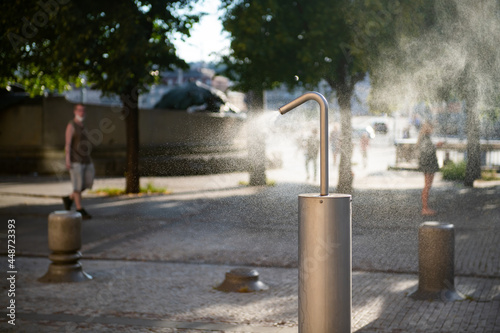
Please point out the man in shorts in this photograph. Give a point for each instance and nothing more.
(81, 169)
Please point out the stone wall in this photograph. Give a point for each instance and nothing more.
(172, 142)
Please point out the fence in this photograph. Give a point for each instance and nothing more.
(172, 142)
(452, 149)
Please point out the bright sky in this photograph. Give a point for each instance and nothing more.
(207, 41)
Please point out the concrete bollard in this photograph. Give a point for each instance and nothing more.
(436, 263)
(65, 241)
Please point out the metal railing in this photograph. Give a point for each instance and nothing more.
(452, 149)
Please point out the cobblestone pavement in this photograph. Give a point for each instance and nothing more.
(155, 259)
(165, 297)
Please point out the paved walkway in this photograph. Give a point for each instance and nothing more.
(155, 259)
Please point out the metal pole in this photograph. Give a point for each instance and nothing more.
(325, 250)
(325, 280)
(323, 132)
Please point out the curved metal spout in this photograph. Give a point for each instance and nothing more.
(323, 134)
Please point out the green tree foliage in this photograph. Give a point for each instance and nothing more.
(304, 42)
(452, 56)
(115, 45)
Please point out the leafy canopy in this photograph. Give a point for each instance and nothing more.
(116, 45)
(278, 41)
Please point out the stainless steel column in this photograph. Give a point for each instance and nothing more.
(325, 280)
(324, 246)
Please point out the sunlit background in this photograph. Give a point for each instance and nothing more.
(208, 41)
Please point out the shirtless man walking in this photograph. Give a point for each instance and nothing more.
(78, 161)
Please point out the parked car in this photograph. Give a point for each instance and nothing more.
(380, 127)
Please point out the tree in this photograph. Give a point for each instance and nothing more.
(453, 57)
(250, 65)
(115, 45)
(301, 43)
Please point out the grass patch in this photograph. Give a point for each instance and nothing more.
(149, 189)
(109, 191)
(269, 182)
(489, 175)
(454, 171)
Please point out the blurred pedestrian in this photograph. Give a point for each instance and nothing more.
(311, 150)
(364, 143)
(406, 132)
(335, 143)
(427, 163)
(77, 152)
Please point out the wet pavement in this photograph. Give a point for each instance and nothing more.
(156, 259)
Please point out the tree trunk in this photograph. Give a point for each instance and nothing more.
(256, 139)
(345, 171)
(473, 168)
(131, 113)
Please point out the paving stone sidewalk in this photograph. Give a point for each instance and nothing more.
(155, 259)
(175, 297)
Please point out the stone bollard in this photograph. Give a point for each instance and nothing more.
(65, 241)
(436, 263)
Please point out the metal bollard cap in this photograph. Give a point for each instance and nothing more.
(242, 280)
(436, 224)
